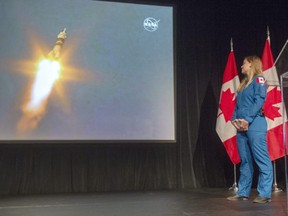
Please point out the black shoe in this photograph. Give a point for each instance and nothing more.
(237, 198)
(261, 200)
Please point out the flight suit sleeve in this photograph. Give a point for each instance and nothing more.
(234, 113)
(260, 90)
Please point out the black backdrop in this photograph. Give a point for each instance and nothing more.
(198, 159)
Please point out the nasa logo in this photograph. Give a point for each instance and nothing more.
(150, 24)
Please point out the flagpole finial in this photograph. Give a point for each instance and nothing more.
(231, 44)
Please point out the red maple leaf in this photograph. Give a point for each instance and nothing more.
(227, 104)
(273, 97)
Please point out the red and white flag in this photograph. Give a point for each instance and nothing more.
(224, 128)
(273, 106)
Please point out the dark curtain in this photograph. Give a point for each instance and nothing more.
(198, 158)
(46, 169)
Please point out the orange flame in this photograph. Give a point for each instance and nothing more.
(34, 109)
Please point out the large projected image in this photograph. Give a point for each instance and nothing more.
(86, 70)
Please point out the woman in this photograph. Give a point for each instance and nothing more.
(251, 125)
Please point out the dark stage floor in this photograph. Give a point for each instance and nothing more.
(164, 203)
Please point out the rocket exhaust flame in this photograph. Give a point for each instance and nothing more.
(47, 74)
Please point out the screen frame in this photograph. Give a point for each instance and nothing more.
(82, 142)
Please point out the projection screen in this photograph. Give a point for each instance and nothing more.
(111, 79)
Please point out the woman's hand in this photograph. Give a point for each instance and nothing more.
(235, 123)
(244, 124)
(240, 124)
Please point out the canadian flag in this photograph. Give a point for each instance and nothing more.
(273, 106)
(225, 130)
(260, 80)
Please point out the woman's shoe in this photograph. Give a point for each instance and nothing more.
(237, 198)
(261, 200)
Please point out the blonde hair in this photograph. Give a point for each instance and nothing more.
(256, 69)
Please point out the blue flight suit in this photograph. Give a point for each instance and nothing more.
(252, 143)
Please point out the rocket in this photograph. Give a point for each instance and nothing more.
(55, 52)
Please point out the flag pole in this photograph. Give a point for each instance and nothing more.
(268, 34)
(234, 186)
(280, 52)
(275, 186)
(224, 128)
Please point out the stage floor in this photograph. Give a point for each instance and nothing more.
(157, 203)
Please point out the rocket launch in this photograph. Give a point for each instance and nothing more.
(55, 52)
(48, 73)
